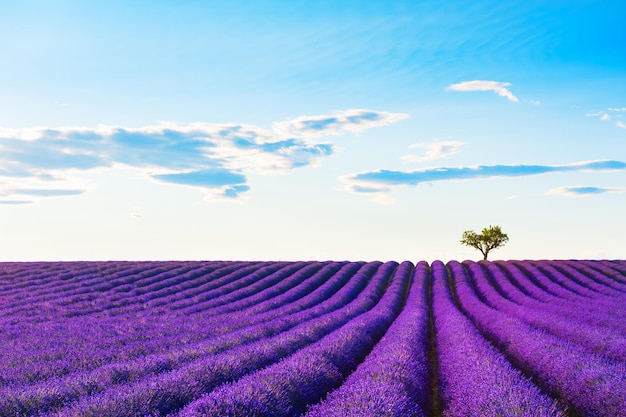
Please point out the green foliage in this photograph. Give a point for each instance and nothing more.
(490, 238)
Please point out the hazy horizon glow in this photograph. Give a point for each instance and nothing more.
(265, 130)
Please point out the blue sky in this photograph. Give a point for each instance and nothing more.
(311, 130)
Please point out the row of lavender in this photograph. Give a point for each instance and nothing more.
(510, 338)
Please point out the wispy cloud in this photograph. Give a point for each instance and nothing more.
(354, 120)
(610, 114)
(581, 191)
(45, 162)
(482, 85)
(46, 192)
(14, 202)
(434, 150)
(599, 114)
(136, 213)
(382, 180)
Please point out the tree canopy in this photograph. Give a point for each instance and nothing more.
(490, 238)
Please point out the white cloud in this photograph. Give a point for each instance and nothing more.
(610, 114)
(482, 85)
(43, 162)
(354, 120)
(434, 150)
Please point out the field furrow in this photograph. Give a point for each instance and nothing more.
(242, 338)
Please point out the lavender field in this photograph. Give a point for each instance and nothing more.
(225, 338)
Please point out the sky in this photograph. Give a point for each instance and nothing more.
(311, 130)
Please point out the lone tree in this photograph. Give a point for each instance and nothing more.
(490, 238)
